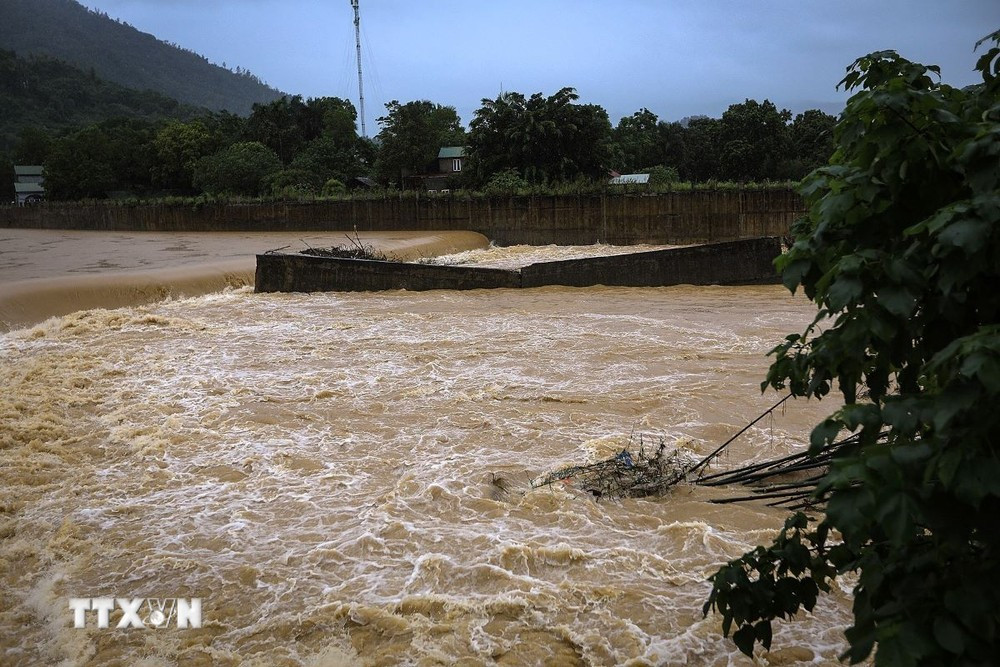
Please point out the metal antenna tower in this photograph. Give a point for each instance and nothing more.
(361, 89)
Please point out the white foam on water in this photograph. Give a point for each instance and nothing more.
(319, 469)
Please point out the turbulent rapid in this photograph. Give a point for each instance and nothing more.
(321, 471)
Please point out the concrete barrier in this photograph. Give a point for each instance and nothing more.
(306, 273)
(731, 263)
(669, 218)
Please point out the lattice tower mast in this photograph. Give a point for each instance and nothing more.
(361, 88)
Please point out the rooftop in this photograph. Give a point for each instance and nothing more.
(630, 179)
(451, 152)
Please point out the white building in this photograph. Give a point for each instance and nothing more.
(29, 184)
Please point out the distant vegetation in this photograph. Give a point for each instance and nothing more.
(52, 96)
(99, 140)
(306, 149)
(116, 51)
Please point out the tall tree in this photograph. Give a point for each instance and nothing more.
(326, 157)
(331, 117)
(637, 140)
(490, 150)
(80, 166)
(702, 140)
(289, 124)
(411, 135)
(811, 139)
(900, 251)
(177, 148)
(278, 126)
(754, 138)
(545, 139)
(671, 144)
(33, 146)
(98, 159)
(245, 168)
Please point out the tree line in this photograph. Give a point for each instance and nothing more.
(294, 147)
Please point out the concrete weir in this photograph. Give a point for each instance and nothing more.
(743, 262)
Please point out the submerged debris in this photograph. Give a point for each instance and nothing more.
(624, 475)
(789, 481)
(500, 486)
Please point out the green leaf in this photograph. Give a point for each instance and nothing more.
(792, 274)
(897, 300)
(823, 434)
(901, 413)
(895, 515)
(910, 454)
(744, 639)
(844, 290)
(969, 235)
(949, 635)
(762, 632)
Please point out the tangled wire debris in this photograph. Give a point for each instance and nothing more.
(624, 475)
(789, 481)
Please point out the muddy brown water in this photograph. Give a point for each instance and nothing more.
(56, 272)
(318, 469)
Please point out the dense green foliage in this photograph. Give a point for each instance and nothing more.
(98, 159)
(545, 139)
(316, 138)
(51, 95)
(515, 143)
(288, 124)
(177, 147)
(117, 52)
(901, 253)
(241, 169)
(752, 141)
(6, 184)
(410, 137)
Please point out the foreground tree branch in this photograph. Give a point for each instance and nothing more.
(900, 251)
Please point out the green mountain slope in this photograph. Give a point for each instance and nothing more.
(49, 94)
(68, 31)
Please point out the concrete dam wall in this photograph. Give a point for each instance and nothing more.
(672, 218)
(731, 263)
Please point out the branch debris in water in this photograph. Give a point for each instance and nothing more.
(789, 481)
(624, 475)
(355, 249)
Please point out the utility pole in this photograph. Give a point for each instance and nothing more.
(361, 89)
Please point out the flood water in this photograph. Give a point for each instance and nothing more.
(319, 470)
(46, 272)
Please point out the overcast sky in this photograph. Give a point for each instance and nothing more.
(676, 57)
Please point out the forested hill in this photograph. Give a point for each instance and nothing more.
(116, 51)
(51, 95)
